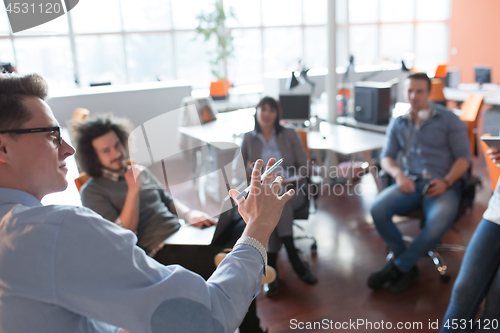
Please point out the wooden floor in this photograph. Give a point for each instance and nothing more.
(349, 249)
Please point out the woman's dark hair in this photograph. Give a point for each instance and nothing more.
(13, 89)
(273, 104)
(84, 132)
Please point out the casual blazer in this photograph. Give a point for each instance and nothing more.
(290, 146)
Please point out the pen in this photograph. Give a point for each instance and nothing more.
(268, 171)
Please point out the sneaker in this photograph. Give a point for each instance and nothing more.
(404, 281)
(271, 289)
(387, 274)
(308, 278)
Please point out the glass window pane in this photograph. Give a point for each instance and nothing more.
(342, 56)
(431, 46)
(53, 59)
(281, 12)
(4, 23)
(6, 53)
(193, 56)
(282, 48)
(315, 11)
(397, 10)
(433, 10)
(316, 48)
(247, 13)
(100, 59)
(185, 12)
(96, 16)
(363, 11)
(150, 57)
(395, 41)
(245, 67)
(58, 25)
(363, 43)
(146, 15)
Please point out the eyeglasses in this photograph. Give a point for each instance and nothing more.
(55, 129)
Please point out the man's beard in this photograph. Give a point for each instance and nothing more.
(119, 169)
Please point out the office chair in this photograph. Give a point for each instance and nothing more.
(437, 91)
(302, 213)
(81, 180)
(470, 111)
(464, 207)
(315, 178)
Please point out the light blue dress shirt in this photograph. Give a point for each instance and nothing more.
(429, 150)
(66, 269)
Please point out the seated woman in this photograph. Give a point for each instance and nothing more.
(479, 275)
(270, 139)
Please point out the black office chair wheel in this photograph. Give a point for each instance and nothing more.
(314, 248)
(445, 278)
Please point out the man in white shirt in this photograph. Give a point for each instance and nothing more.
(66, 269)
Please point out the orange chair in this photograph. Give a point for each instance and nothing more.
(441, 71)
(493, 169)
(303, 138)
(470, 111)
(81, 179)
(437, 91)
(80, 114)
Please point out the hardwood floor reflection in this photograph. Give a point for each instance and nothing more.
(349, 249)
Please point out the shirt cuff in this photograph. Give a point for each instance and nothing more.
(257, 245)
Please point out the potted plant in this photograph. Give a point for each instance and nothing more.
(213, 23)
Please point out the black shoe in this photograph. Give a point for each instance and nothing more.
(387, 274)
(308, 278)
(404, 281)
(271, 289)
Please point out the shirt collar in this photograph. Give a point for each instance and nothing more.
(9, 195)
(434, 113)
(112, 175)
(261, 136)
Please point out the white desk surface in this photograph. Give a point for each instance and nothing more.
(344, 140)
(491, 92)
(228, 128)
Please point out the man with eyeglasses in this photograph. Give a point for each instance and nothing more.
(66, 269)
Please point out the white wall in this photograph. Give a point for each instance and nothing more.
(137, 102)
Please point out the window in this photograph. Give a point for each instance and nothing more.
(127, 41)
(386, 30)
(52, 60)
(150, 57)
(282, 48)
(101, 59)
(248, 51)
(281, 12)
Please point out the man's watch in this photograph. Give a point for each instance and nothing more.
(448, 183)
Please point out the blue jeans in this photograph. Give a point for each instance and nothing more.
(479, 277)
(439, 212)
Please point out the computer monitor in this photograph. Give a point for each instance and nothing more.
(295, 107)
(483, 74)
(452, 79)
